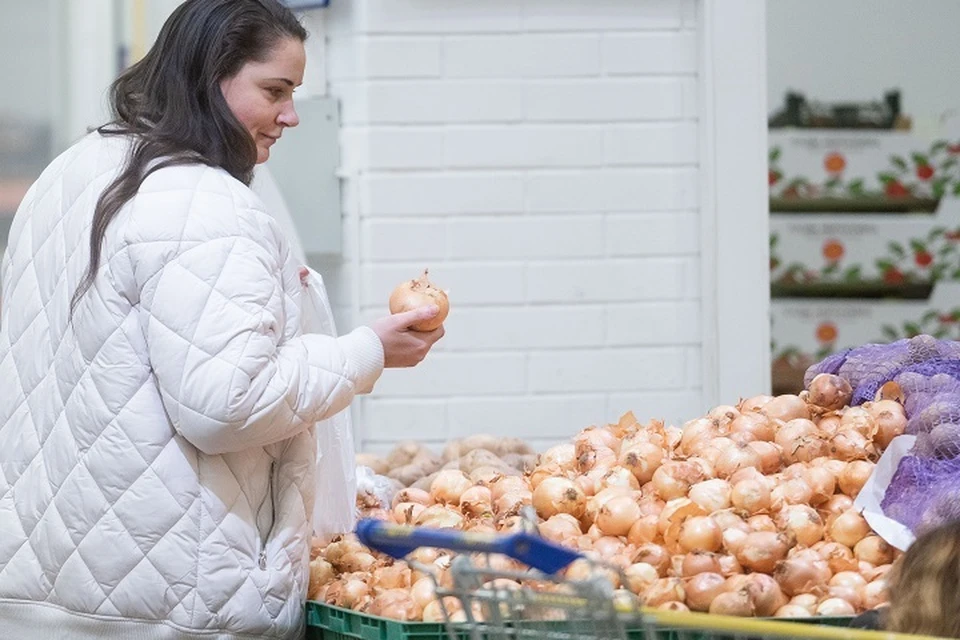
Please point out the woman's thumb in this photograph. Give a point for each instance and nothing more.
(414, 316)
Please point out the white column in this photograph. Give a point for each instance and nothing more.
(734, 201)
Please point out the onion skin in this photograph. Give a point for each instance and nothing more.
(830, 392)
(413, 294)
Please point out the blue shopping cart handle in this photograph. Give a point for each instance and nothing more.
(398, 541)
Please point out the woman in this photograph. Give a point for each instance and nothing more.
(158, 396)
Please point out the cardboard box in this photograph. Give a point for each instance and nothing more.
(806, 331)
(842, 170)
(864, 255)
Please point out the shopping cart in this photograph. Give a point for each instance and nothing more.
(485, 601)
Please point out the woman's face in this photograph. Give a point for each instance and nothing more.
(260, 95)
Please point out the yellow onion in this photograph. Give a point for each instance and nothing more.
(413, 294)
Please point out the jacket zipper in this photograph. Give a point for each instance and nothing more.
(273, 519)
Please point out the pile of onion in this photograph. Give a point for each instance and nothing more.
(746, 511)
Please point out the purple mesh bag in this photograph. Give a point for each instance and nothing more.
(925, 490)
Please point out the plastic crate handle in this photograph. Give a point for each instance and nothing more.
(398, 541)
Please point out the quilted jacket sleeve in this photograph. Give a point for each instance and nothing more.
(215, 310)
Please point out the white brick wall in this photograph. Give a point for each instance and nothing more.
(541, 158)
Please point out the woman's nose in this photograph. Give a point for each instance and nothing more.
(288, 117)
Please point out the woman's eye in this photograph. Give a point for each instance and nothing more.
(276, 93)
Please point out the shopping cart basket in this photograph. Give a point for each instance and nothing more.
(486, 601)
(482, 602)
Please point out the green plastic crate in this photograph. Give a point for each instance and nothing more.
(326, 622)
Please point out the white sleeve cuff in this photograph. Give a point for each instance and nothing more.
(365, 353)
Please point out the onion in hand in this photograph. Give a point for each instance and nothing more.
(413, 294)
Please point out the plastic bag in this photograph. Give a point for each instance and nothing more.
(334, 509)
(871, 495)
(374, 488)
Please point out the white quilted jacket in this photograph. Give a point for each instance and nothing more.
(157, 453)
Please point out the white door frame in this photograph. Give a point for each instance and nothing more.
(735, 274)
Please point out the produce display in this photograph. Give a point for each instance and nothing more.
(480, 457)
(746, 511)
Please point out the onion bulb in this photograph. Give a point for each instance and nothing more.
(411, 494)
(836, 505)
(735, 458)
(829, 391)
(617, 515)
(448, 485)
(713, 495)
(699, 562)
(762, 550)
(476, 501)
(674, 479)
(874, 594)
(664, 590)
(802, 521)
(696, 431)
(890, 418)
(854, 476)
(791, 491)
(423, 592)
(642, 459)
(347, 592)
(801, 441)
(806, 600)
(849, 528)
(757, 425)
(838, 556)
(640, 575)
(563, 455)
(559, 495)
(733, 603)
(835, 607)
(751, 496)
(434, 611)
(797, 576)
(754, 403)
(508, 484)
(822, 483)
(440, 517)
(393, 576)
(407, 512)
(875, 550)
(771, 455)
(559, 527)
(723, 414)
(765, 594)
(413, 294)
(786, 407)
(321, 573)
(703, 588)
(644, 530)
(860, 420)
(700, 533)
(850, 444)
(655, 555)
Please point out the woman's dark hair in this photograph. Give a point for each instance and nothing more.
(171, 103)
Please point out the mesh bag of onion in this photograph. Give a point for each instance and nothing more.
(925, 490)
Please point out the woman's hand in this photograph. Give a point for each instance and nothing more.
(403, 347)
